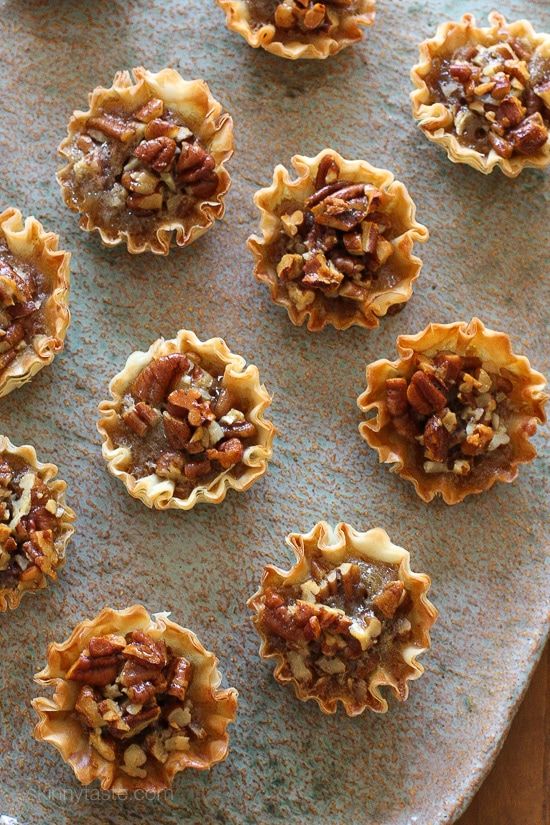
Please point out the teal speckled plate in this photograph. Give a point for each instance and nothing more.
(488, 558)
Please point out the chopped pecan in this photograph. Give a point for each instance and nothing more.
(106, 645)
(478, 441)
(223, 403)
(145, 648)
(140, 418)
(228, 453)
(157, 153)
(177, 431)
(170, 465)
(179, 678)
(144, 203)
(510, 112)
(396, 396)
(239, 429)
(149, 111)
(112, 126)
(135, 671)
(530, 135)
(426, 393)
(141, 693)
(155, 380)
(436, 439)
(196, 469)
(135, 722)
(327, 172)
(14, 334)
(87, 705)
(449, 366)
(388, 600)
(339, 213)
(320, 273)
(461, 72)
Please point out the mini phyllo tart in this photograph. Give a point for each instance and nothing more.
(455, 412)
(186, 423)
(136, 701)
(34, 296)
(484, 94)
(337, 242)
(348, 618)
(35, 523)
(146, 160)
(299, 28)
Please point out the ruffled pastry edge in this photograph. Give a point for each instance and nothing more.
(29, 241)
(471, 338)
(320, 46)
(58, 726)
(158, 492)
(204, 116)
(337, 544)
(10, 598)
(434, 117)
(325, 311)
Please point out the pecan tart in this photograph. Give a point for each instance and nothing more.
(484, 94)
(455, 412)
(337, 242)
(299, 28)
(146, 160)
(186, 423)
(348, 618)
(34, 296)
(136, 701)
(35, 523)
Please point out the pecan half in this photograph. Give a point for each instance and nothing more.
(396, 396)
(157, 153)
(155, 380)
(436, 439)
(180, 677)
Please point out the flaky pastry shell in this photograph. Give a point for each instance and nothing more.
(11, 597)
(204, 115)
(326, 311)
(29, 241)
(345, 30)
(461, 338)
(159, 492)
(433, 118)
(59, 726)
(336, 545)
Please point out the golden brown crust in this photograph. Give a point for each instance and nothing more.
(345, 29)
(159, 492)
(336, 545)
(11, 597)
(402, 263)
(433, 118)
(527, 397)
(29, 241)
(204, 117)
(60, 726)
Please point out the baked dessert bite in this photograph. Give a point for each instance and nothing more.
(34, 297)
(455, 412)
(299, 28)
(146, 161)
(484, 93)
(186, 423)
(35, 523)
(348, 618)
(136, 700)
(336, 245)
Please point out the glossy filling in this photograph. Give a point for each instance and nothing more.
(455, 410)
(133, 171)
(23, 292)
(334, 245)
(180, 421)
(337, 627)
(300, 17)
(133, 701)
(29, 526)
(499, 96)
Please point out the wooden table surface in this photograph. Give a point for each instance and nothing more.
(517, 791)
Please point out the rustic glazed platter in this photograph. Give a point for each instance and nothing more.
(488, 557)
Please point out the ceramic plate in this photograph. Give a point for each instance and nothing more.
(488, 558)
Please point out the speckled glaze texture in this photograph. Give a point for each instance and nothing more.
(488, 557)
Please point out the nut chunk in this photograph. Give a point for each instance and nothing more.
(456, 411)
(485, 93)
(187, 425)
(343, 620)
(35, 523)
(147, 159)
(337, 241)
(299, 28)
(138, 710)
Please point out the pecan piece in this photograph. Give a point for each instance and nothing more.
(106, 645)
(157, 153)
(170, 465)
(396, 396)
(112, 126)
(530, 135)
(223, 403)
(144, 647)
(87, 705)
(12, 336)
(426, 393)
(140, 418)
(327, 172)
(179, 678)
(320, 273)
(99, 670)
(436, 439)
(239, 429)
(196, 469)
(510, 112)
(228, 453)
(177, 431)
(449, 366)
(149, 111)
(478, 441)
(141, 693)
(155, 380)
(388, 600)
(136, 671)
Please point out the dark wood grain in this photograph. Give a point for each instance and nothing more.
(517, 791)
